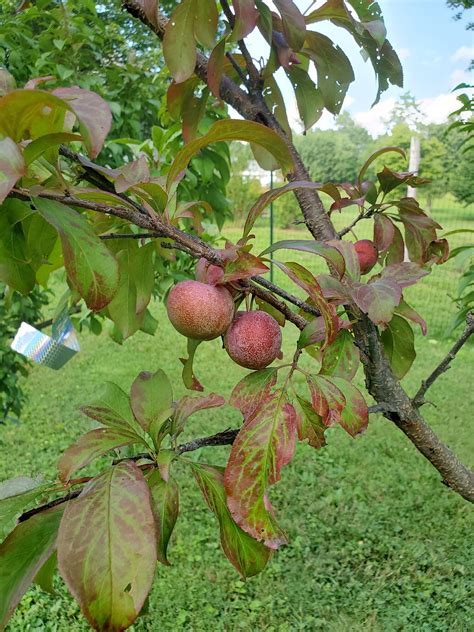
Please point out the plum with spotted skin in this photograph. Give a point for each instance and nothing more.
(367, 254)
(200, 311)
(253, 340)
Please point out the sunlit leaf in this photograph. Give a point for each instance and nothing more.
(12, 166)
(16, 495)
(179, 45)
(150, 396)
(253, 390)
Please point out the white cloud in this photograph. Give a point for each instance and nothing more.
(460, 76)
(327, 120)
(434, 110)
(463, 53)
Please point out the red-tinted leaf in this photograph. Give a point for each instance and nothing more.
(107, 547)
(341, 358)
(90, 446)
(384, 232)
(314, 332)
(349, 254)
(355, 415)
(328, 252)
(333, 289)
(404, 274)
(327, 400)
(215, 68)
(244, 267)
(253, 390)
(305, 279)
(310, 425)
(165, 507)
(399, 343)
(188, 405)
(189, 379)
(409, 313)
(150, 8)
(22, 555)
(132, 173)
(12, 166)
(378, 299)
(246, 16)
(294, 26)
(179, 94)
(247, 554)
(396, 250)
(91, 268)
(375, 155)
(151, 395)
(179, 45)
(265, 444)
(226, 130)
(192, 114)
(389, 180)
(93, 114)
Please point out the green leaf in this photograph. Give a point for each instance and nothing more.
(188, 405)
(399, 343)
(226, 130)
(390, 180)
(150, 396)
(189, 379)
(205, 22)
(38, 147)
(246, 554)
(44, 578)
(330, 253)
(93, 114)
(314, 332)
(375, 155)
(335, 72)
(310, 425)
(23, 554)
(245, 266)
(179, 45)
(165, 507)
(309, 99)
(215, 68)
(410, 314)
(341, 358)
(91, 268)
(122, 309)
(355, 414)
(15, 269)
(112, 409)
(92, 445)
(107, 547)
(265, 444)
(12, 166)
(16, 495)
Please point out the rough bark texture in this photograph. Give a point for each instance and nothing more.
(380, 379)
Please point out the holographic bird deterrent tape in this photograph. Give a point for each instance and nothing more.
(53, 351)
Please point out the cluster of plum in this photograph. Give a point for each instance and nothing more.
(252, 339)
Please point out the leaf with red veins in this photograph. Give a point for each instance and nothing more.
(355, 415)
(245, 266)
(384, 232)
(342, 358)
(93, 114)
(307, 281)
(310, 425)
(328, 401)
(252, 391)
(12, 166)
(188, 405)
(378, 299)
(265, 443)
(404, 274)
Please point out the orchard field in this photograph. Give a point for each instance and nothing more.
(376, 542)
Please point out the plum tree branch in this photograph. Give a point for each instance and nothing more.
(444, 365)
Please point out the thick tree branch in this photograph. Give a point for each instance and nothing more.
(444, 365)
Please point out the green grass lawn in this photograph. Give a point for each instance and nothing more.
(376, 541)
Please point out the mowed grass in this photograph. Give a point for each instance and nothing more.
(376, 541)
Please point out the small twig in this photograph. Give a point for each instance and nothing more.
(52, 503)
(296, 319)
(129, 236)
(443, 366)
(237, 69)
(362, 216)
(227, 437)
(286, 295)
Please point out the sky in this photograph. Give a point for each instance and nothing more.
(435, 51)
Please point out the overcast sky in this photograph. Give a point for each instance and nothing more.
(435, 51)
